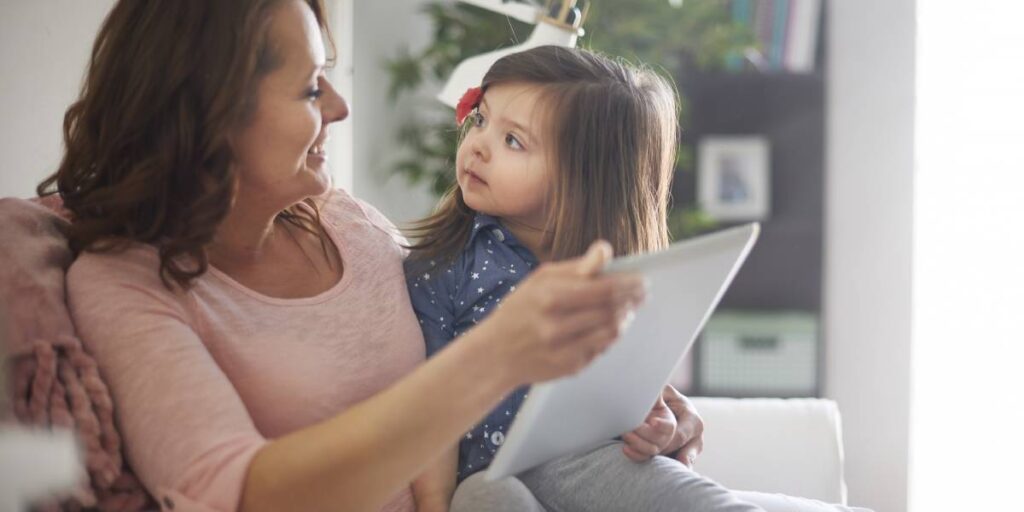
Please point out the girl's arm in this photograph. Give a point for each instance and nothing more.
(562, 317)
(433, 490)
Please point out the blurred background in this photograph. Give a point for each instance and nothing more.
(877, 141)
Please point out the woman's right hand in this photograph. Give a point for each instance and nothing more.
(561, 317)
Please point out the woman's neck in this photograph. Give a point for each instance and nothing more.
(531, 237)
(244, 234)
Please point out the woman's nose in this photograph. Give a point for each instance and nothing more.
(334, 107)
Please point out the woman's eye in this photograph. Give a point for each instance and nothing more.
(314, 94)
(512, 141)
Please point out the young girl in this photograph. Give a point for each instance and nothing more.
(560, 147)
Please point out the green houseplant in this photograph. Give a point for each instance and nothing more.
(671, 37)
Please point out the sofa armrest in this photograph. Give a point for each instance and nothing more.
(791, 446)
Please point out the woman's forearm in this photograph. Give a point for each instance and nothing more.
(365, 455)
(558, 320)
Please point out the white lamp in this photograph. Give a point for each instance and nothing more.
(558, 23)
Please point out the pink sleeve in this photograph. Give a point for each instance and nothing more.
(378, 219)
(187, 433)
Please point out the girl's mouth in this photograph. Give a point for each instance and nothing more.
(474, 177)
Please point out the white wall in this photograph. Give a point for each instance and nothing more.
(44, 46)
(341, 14)
(967, 421)
(869, 191)
(381, 30)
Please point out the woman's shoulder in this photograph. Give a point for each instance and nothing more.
(107, 275)
(339, 205)
(341, 209)
(134, 260)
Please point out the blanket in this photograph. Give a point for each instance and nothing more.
(53, 382)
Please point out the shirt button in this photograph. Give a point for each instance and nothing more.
(497, 438)
(498, 234)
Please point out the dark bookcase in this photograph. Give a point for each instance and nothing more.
(784, 270)
(783, 274)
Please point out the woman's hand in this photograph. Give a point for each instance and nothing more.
(672, 428)
(560, 318)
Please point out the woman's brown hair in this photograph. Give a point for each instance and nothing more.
(613, 132)
(147, 156)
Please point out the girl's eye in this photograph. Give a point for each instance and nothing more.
(512, 142)
(314, 94)
(477, 119)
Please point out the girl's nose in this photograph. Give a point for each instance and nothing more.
(479, 147)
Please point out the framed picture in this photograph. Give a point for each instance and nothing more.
(733, 179)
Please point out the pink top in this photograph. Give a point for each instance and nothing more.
(201, 379)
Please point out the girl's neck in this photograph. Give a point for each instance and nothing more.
(531, 237)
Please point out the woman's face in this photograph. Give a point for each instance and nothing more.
(280, 153)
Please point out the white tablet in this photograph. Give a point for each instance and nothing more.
(614, 394)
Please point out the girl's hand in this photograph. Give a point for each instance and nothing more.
(688, 441)
(654, 436)
(560, 318)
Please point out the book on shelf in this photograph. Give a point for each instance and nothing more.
(787, 32)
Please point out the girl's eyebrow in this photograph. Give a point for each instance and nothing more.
(521, 128)
(513, 124)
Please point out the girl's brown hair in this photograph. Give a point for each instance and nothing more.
(613, 132)
(147, 156)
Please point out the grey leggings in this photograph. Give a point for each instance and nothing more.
(605, 480)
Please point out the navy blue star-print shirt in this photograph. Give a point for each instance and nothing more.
(450, 299)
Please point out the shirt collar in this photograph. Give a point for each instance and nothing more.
(487, 225)
(483, 223)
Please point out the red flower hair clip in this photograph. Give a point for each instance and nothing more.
(467, 103)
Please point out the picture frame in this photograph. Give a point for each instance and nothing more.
(733, 177)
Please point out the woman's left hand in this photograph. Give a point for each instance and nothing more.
(672, 428)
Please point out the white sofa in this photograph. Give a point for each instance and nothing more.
(791, 446)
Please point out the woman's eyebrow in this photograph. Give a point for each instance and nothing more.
(315, 71)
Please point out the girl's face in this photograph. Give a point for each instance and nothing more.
(280, 152)
(502, 165)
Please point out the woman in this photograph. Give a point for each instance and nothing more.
(253, 325)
